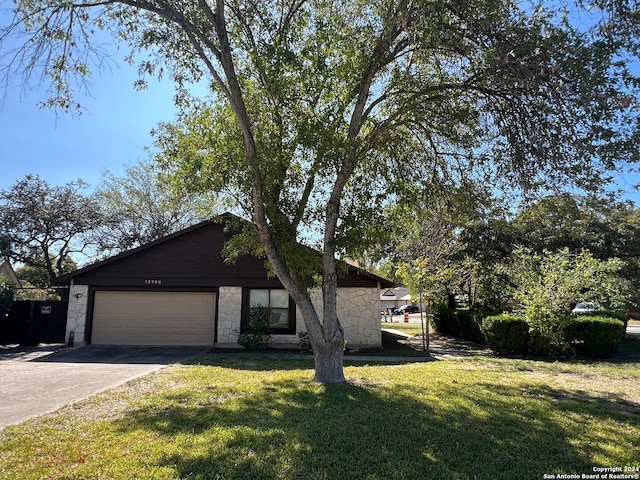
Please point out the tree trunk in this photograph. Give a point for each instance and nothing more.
(328, 363)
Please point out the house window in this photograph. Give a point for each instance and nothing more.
(282, 317)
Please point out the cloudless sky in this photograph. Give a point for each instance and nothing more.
(61, 147)
(113, 132)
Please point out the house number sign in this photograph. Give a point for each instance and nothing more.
(153, 281)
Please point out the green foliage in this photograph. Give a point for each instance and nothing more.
(143, 206)
(595, 336)
(305, 342)
(323, 113)
(445, 322)
(606, 314)
(492, 287)
(550, 282)
(506, 334)
(256, 336)
(34, 276)
(45, 225)
(461, 323)
(547, 336)
(38, 277)
(305, 261)
(7, 295)
(591, 336)
(603, 225)
(423, 245)
(34, 293)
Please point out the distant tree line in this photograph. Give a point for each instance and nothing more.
(469, 247)
(48, 230)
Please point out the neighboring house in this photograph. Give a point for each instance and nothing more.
(178, 291)
(394, 298)
(7, 272)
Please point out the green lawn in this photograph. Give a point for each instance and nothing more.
(235, 418)
(408, 328)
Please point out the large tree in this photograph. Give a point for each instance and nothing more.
(322, 111)
(604, 225)
(142, 207)
(44, 225)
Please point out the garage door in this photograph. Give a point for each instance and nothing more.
(153, 318)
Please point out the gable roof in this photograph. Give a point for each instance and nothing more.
(192, 244)
(397, 293)
(6, 271)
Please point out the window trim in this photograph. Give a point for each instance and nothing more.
(244, 321)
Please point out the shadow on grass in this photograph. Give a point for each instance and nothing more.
(629, 351)
(252, 361)
(292, 429)
(281, 360)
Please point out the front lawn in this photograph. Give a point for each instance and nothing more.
(252, 418)
(408, 328)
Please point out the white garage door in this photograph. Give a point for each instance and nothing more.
(153, 318)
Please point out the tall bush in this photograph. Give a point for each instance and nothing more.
(7, 294)
(460, 323)
(595, 336)
(550, 282)
(506, 334)
(256, 336)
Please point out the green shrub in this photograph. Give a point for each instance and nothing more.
(7, 294)
(305, 342)
(595, 336)
(460, 323)
(506, 334)
(445, 322)
(606, 314)
(547, 335)
(256, 336)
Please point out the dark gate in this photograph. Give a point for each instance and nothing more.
(33, 322)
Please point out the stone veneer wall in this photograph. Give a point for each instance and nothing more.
(358, 310)
(77, 313)
(359, 314)
(229, 314)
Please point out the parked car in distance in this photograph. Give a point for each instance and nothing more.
(406, 309)
(585, 307)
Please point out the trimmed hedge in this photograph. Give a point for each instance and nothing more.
(586, 335)
(607, 314)
(506, 334)
(461, 323)
(595, 336)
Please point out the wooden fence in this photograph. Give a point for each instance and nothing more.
(30, 323)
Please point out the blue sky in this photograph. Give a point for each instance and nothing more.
(60, 147)
(113, 132)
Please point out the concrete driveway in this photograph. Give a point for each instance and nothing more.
(38, 380)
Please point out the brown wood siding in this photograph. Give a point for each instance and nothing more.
(190, 260)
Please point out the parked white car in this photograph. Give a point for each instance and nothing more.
(585, 307)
